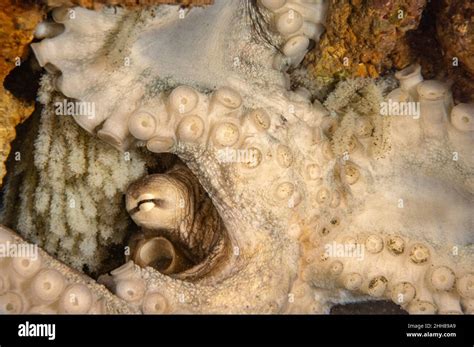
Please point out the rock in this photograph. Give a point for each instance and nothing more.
(365, 38)
(17, 24)
(455, 29)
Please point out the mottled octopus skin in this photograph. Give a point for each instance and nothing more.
(195, 86)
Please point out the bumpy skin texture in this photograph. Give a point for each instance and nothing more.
(318, 177)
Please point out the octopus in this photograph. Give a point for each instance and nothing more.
(283, 203)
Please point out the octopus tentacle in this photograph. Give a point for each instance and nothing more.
(36, 283)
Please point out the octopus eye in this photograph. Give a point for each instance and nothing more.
(183, 235)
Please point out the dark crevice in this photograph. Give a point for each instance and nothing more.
(23, 80)
(431, 59)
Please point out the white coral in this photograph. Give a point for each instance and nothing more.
(71, 178)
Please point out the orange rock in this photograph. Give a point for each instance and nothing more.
(361, 70)
(371, 34)
(17, 24)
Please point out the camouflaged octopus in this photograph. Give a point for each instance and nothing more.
(298, 188)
